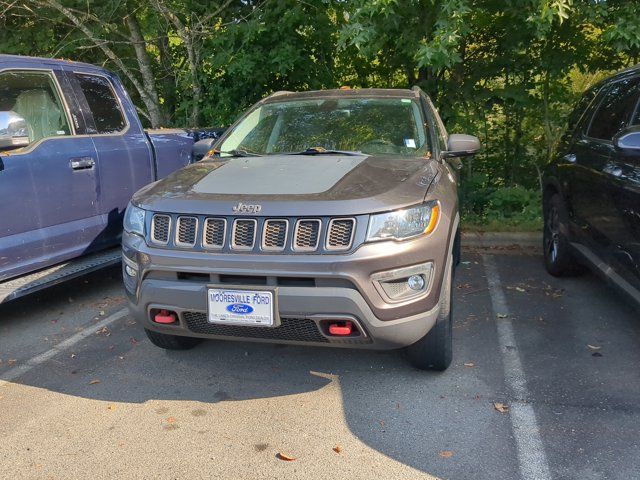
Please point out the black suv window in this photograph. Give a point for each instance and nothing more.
(615, 110)
(636, 117)
(107, 116)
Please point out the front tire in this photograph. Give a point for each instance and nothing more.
(434, 351)
(558, 258)
(171, 342)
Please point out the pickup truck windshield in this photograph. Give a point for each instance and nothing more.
(390, 126)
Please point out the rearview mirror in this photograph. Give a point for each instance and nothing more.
(628, 140)
(461, 145)
(14, 132)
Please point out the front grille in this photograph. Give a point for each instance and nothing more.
(231, 234)
(291, 329)
(274, 236)
(160, 228)
(186, 231)
(307, 235)
(244, 234)
(214, 232)
(340, 233)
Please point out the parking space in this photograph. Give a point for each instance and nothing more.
(82, 392)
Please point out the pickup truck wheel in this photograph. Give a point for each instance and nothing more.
(434, 351)
(171, 342)
(558, 258)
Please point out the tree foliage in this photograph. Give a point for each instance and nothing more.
(506, 70)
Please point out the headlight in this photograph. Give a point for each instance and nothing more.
(134, 220)
(403, 224)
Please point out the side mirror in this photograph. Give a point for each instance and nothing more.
(14, 132)
(461, 145)
(628, 140)
(202, 147)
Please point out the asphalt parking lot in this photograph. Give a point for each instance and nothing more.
(83, 393)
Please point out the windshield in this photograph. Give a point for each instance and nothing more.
(370, 125)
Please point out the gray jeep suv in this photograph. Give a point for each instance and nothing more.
(325, 218)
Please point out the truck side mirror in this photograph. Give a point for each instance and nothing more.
(14, 132)
(628, 140)
(461, 145)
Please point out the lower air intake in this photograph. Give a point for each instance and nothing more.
(291, 329)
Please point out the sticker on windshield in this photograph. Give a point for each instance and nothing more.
(409, 143)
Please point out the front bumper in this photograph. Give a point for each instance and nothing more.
(344, 288)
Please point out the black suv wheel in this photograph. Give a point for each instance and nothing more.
(558, 257)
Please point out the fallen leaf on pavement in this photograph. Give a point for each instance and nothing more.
(171, 420)
(134, 341)
(11, 361)
(94, 382)
(469, 364)
(446, 454)
(103, 331)
(337, 449)
(111, 407)
(286, 458)
(593, 347)
(501, 407)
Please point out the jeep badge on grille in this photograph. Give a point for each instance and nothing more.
(244, 208)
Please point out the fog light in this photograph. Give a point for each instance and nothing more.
(130, 271)
(415, 282)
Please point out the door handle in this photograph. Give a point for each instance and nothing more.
(570, 157)
(82, 163)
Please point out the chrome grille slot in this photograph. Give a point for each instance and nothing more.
(160, 225)
(274, 235)
(214, 233)
(340, 234)
(243, 236)
(186, 229)
(306, 235)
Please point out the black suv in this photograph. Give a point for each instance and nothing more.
(591, 198)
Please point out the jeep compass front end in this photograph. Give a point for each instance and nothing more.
(324, 218)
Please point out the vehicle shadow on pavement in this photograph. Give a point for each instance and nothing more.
(405, 414)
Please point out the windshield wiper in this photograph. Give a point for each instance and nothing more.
(324, 151)
(239, 153)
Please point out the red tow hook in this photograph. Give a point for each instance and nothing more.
(166, 317)
(340, 329)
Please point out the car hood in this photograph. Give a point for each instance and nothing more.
(293, 185)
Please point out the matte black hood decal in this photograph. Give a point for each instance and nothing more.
(294, 185)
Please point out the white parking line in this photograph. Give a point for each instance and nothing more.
(532, 459)
(20, 370)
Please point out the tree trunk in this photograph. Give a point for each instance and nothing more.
(192, 57)
(156, 112)
(110, 54)
(168, 76)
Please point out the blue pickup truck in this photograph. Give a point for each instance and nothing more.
(72, 153)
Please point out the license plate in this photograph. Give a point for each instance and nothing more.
(242, 307)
